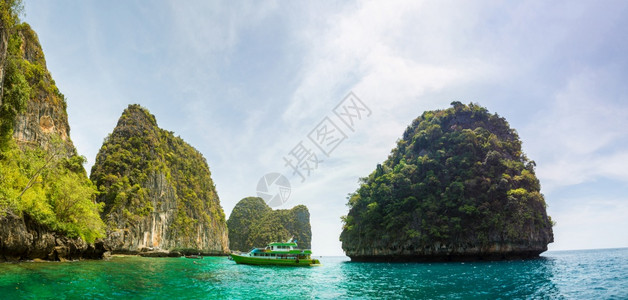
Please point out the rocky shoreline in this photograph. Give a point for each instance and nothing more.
(21, 239)
(452, 252)
(444, 253)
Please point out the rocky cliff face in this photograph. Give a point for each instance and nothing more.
(46, 114)
(36, 111)
(456, 187)
(157, 190)
(4, 42)
(253, 223)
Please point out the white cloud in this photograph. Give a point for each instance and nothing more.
(387, 52)
(582, 135)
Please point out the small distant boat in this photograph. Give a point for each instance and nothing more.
(280, 254)
(194, 256)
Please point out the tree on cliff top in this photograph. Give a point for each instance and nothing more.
(10, 11)
(457, 176)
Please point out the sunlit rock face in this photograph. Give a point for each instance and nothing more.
(157, 190)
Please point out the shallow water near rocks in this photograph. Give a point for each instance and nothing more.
(599, 274)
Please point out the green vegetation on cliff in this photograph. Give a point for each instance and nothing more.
(15, 89)
(128, 172)
(253, 223)
(457, 176)
(51, 189)
(46, 182)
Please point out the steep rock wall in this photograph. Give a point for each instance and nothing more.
(42, 119)
(157, 190)
(46, 114)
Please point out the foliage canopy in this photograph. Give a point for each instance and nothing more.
(456, 176)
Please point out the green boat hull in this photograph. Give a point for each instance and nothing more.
(248, 260)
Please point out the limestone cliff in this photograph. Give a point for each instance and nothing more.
(253, 223)
(45, 115)
(157, 190)
(46, 200)
(457, 186)
(4, 43)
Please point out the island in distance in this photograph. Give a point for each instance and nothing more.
(456, 187)
(253, 223)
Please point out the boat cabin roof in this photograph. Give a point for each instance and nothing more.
(282, 252)
(283, 244)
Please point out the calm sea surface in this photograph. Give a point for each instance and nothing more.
(586, 274)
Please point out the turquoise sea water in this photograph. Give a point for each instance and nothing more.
(585, 274)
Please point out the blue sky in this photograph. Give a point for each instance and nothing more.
(245, 84)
